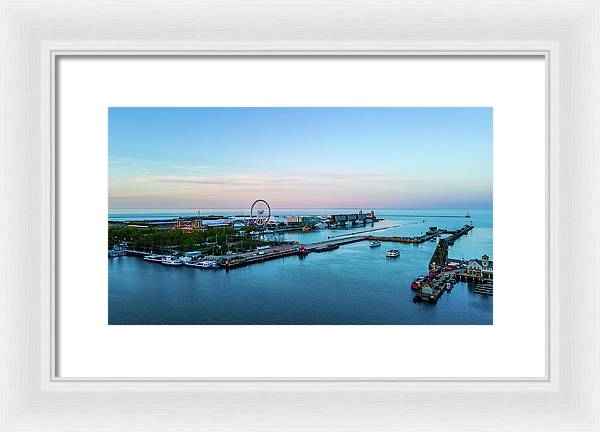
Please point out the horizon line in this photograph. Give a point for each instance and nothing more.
(304, 208)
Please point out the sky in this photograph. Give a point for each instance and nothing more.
(225, 158)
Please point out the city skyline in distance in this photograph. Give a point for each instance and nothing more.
(185, 158)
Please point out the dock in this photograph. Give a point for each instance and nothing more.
(371, 230)
(257, 258)
(429, 235)
(244, 259)
(484, 288)
(440, 255)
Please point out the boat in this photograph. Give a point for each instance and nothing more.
(468, 216)
(202, 264)
(375, 243)
(118, 250)
(306, 228)
(153, 258)
(303, 251)
(172, 261)
(417, 283)
(392, 253)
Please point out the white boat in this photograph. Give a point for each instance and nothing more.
(202, 264)
(153, 258)
(392, 253)
(171, 261)
(115, 252)
(375, 243)
(118, 250)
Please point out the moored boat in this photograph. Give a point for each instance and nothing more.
(153, 258)
(417, 283)
(172, 261)
(303, 251)
(118, 250)
(202, 264)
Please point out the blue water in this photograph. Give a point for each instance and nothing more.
(354, 284)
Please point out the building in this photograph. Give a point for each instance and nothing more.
(293, 221)
(481, 268)
(216, 223)
(188, 225)
(275, 221)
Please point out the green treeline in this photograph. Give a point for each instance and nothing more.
(213, 241)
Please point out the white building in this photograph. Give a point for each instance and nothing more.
(216, 223)
(483, 268)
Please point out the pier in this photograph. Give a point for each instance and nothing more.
(440, 255)
(274, 252)
(431, 234)
(371, 230)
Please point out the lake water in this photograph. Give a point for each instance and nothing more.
(355, 284)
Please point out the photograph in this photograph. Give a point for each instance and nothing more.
(300, 216)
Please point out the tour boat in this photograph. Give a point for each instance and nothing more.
(392, 253)
(153, 258)
(375, 243)
(171, 261)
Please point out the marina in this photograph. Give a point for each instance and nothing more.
(445, 271)
(350, 284)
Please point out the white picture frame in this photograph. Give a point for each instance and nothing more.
(34, 34)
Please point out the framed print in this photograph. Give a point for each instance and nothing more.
(306, 237)
(245, 216)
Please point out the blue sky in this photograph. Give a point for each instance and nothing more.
(300, 157)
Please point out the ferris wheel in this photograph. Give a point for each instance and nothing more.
(260, 212)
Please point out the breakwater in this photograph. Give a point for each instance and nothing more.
(440, 255)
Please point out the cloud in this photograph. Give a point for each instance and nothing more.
(276, 180)
(245, 180)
